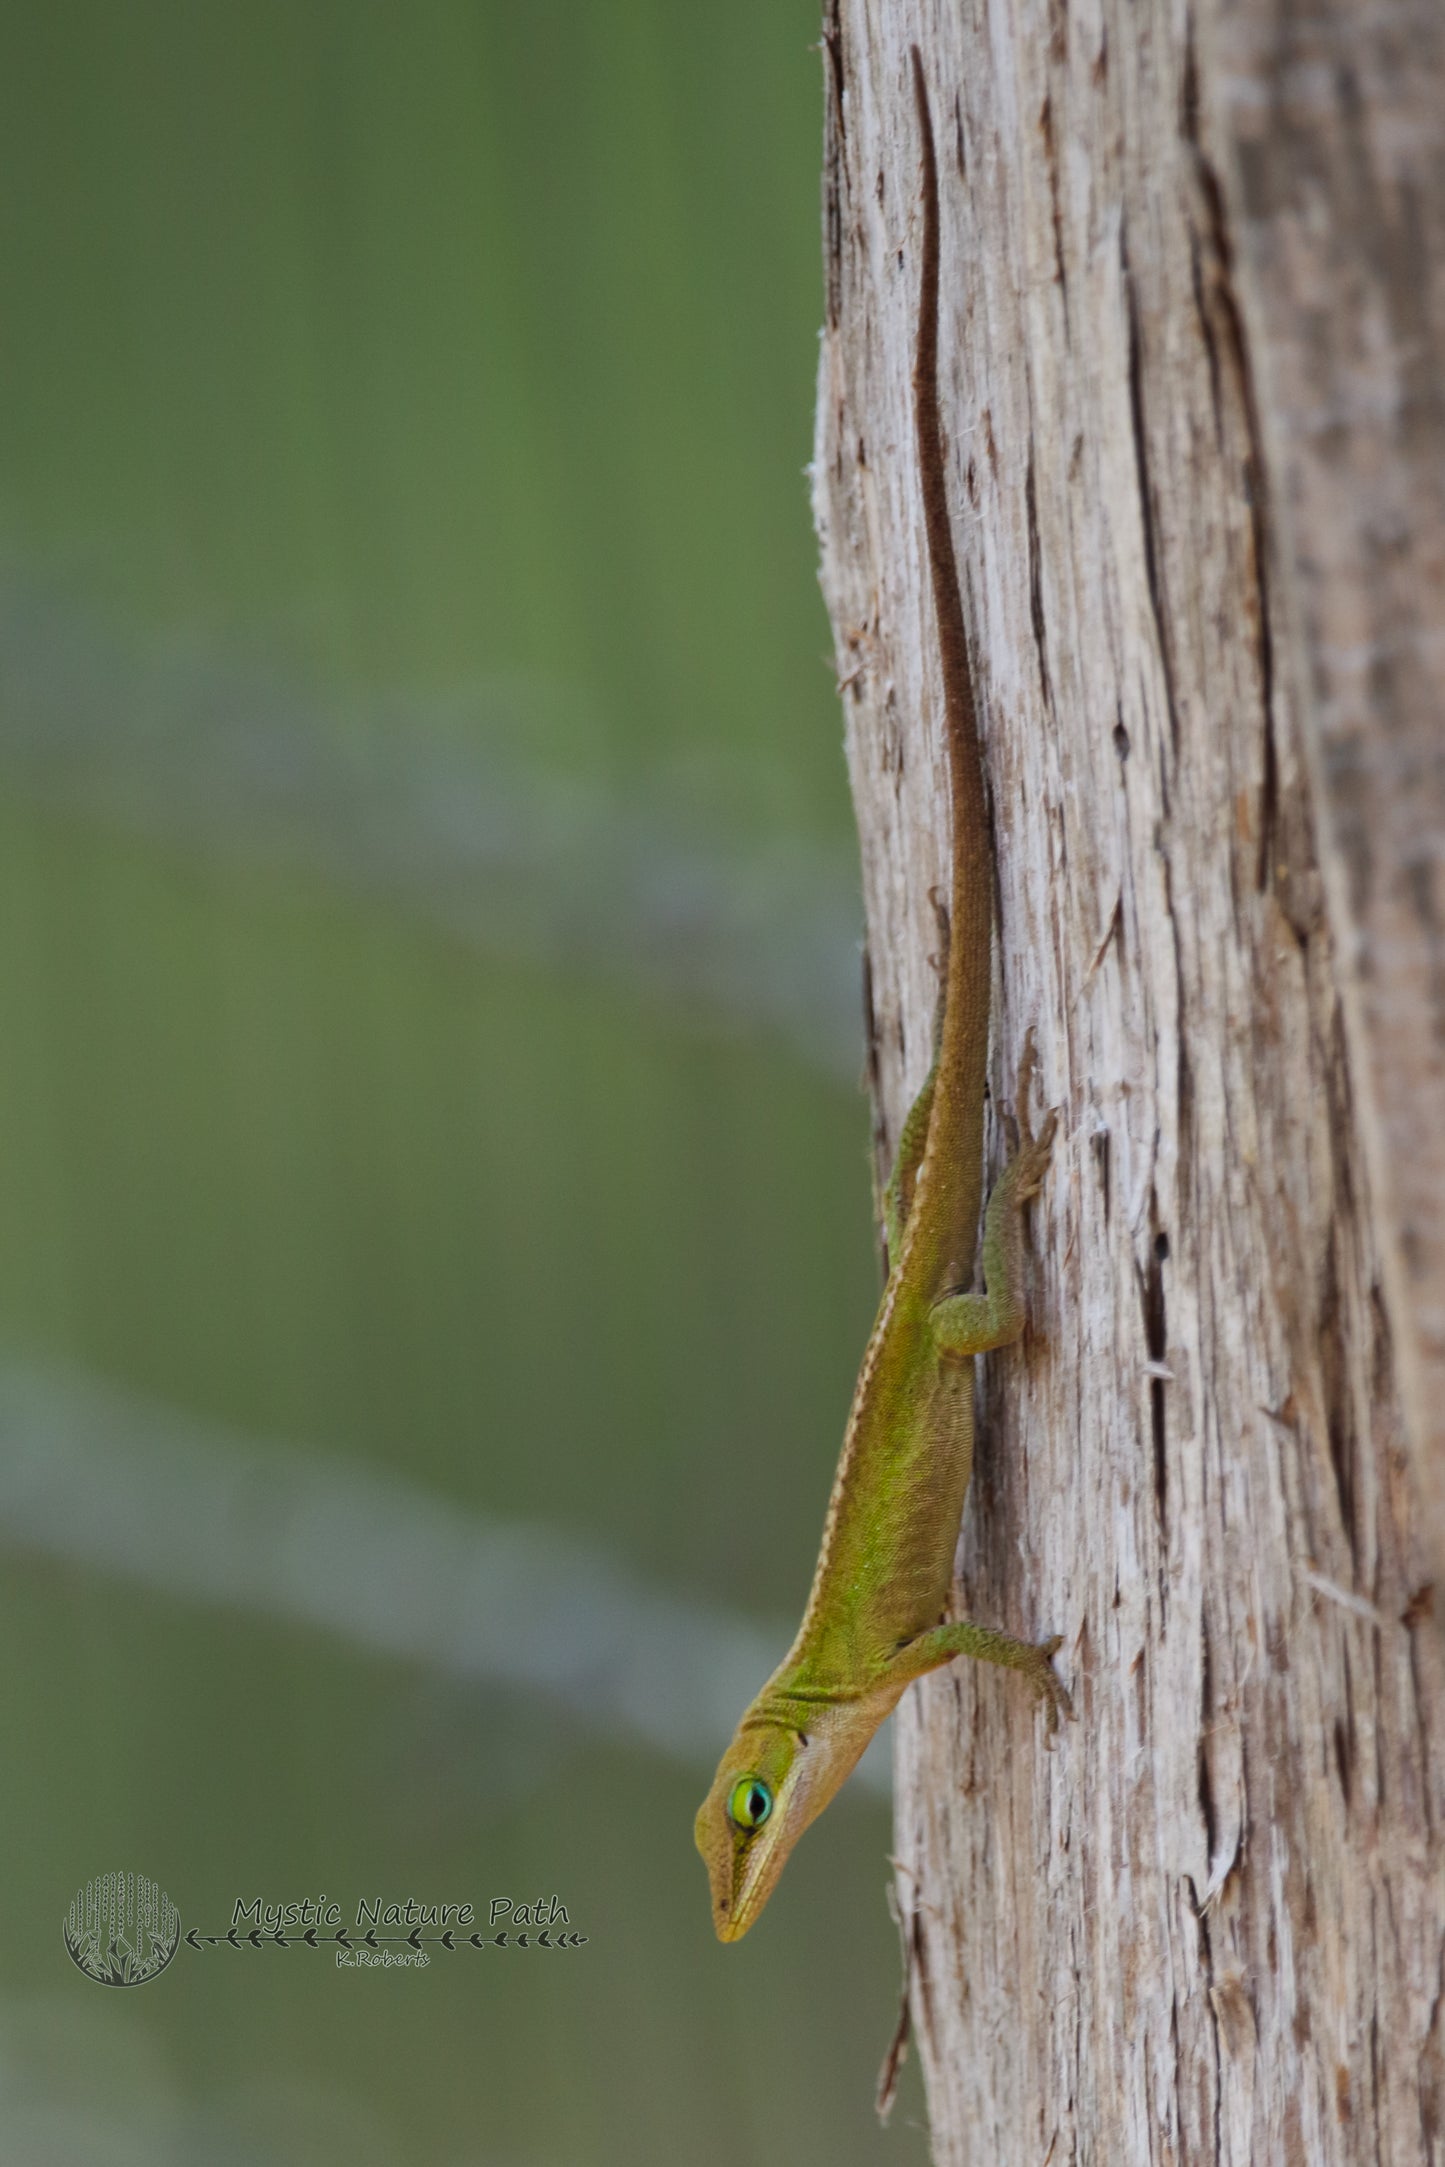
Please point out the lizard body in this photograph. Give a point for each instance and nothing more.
(875, 1617)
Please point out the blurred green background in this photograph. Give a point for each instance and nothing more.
(434, 1218)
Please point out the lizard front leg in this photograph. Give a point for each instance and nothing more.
(960, 1636)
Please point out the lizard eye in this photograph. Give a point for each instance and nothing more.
(751, 1802)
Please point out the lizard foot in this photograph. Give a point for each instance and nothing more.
(1047, 1684)
(1031, 1160)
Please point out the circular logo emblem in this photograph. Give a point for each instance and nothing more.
(122, 1930)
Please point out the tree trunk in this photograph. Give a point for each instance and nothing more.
(1197, 445)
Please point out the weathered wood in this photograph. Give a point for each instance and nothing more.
(1210, 1924)
(1333, 120)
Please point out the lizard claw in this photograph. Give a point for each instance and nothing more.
(1024, 1088)
(1049, 1686)
(1032, 1158)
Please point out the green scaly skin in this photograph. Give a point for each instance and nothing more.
(876, 1617)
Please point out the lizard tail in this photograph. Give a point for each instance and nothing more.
(963, 1050)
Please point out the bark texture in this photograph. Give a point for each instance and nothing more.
(1209, 1925)
(1335, 123)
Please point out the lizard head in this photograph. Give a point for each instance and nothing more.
(774, 1779)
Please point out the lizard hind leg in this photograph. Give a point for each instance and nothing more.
(913, 1138)
(966, 1324)
(1032, 1150)
(898, 1196)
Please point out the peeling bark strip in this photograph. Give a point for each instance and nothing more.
(1210, 1925)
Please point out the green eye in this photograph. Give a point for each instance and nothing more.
(751, 1802)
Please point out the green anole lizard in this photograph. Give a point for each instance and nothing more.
(875, 1619)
